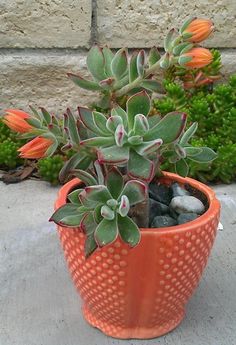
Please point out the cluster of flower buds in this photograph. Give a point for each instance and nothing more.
(181, 47)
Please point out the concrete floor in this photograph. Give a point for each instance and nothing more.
(39, 305)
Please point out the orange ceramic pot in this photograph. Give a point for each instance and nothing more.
(141, 292)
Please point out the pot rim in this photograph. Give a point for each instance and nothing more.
(214, 204)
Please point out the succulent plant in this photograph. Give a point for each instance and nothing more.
(101, 208)
(119, 152)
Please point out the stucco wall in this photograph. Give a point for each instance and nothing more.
(40, 40)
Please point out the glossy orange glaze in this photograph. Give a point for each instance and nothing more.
(141, 292)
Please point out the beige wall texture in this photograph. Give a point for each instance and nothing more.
(41, 40)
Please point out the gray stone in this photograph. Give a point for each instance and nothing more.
(178, 191)
(45, 23)
(160, 192)
(139, 23)
(163, 221)
(187, 204)
(156, 208)
(186, 217)
(40, 79)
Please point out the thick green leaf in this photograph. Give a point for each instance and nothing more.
(119, 64)
(73, 130)
(96, 63)
(169, 128)
(141, 63)
(113, 122)
(47, 117)
(168, 40)
(97, 193)
(180, 150)
(149, 147)
(67, 214)
(113, 155)
(98, 141)
(88, 224)
(152, 85)
(77, 160)
(74, 196)
(90, 245)
(107, 212)
(181, 168)
(124, 206)
(135, 191)
(192, 151)
(137, 104)
(133, 71)
(118, 111)
(99, 172)
(183, 59)
(85, 177)
(186, 24)
(36, 114)
(100, 121)
(72, 220)
(97, 214)
(108, 56)
(135, 140)
(120, 135)
(205, 156)
(188, 134)
(154, 56)
(52, 148)
(106, 232)
(129, 231)
(153, 120)
(141, 125)
(34, 122)
(83, 83)
(86, 117)
(140, 167)
(114, 182)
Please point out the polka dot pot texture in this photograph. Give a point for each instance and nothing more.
(141, 292)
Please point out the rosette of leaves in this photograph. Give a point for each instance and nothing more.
(101, 209)
(114, 75)
(131, 138)
(138, 142)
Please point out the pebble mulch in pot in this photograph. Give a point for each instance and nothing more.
(174, 205)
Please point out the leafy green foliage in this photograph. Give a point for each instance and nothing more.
(50, 167)
(9, 144)
(215, 112)
(9, 156)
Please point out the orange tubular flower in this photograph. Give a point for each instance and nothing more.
(15, 119)
(200, 30)
(35, 148)
(200, 57)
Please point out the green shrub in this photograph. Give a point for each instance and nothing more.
(9, 157)
(50, 167)
(9, 144)
(215, 112)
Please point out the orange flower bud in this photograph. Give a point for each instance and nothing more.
(200, 57)
(35, 148)
(15, 119)
(199, 29)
